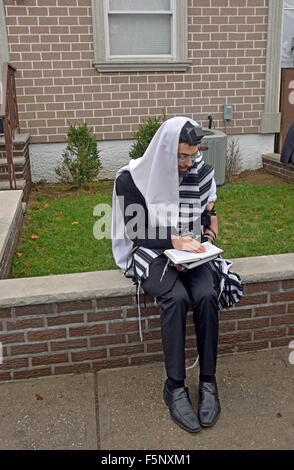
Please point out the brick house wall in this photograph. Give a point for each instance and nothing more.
(51, 44)
(52, 47)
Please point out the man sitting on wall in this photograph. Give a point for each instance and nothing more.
(168, 189)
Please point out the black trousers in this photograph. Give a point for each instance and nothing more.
(199, 287)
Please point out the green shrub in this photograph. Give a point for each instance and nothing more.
(81, 161)
(144, 135)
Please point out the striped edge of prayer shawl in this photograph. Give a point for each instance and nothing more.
(231, 289)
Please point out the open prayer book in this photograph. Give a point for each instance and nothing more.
(191, 260)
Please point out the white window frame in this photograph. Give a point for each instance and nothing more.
(176, 61)
(271, 117)
(4, 50)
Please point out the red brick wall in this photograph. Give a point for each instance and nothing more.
(52, 47)
(66, 337)
(285, 171)
(10, 244)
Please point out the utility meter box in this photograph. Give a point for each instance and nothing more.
(214, 148)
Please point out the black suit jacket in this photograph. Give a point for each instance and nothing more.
(126, 187)
(154, 285)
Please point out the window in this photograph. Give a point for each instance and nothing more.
(271, 117)
(140, 35)
(288, 35)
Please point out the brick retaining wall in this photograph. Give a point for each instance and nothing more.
(11, 219)
(10, 245)
(272, 165)
(95, 333)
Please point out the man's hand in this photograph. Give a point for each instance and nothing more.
(179, 267)
(187, 244)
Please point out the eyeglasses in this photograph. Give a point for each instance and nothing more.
(183, 157)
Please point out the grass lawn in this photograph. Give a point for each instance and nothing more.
(57, 235)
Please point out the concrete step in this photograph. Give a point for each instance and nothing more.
(18, 175)
(18, 139)
(17, 161)
(4, 185)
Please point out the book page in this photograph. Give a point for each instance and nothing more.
(180, 256)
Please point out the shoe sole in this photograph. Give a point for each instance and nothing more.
(180, 424)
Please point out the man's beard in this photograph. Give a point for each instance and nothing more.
(185, 173)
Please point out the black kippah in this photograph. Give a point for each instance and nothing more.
(190, 134)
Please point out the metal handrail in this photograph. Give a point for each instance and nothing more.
(9, 116)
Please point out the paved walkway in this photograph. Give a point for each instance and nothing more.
(123, 409)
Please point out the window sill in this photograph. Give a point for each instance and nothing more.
(141, 66)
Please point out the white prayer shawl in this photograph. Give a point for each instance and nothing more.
(156, 177)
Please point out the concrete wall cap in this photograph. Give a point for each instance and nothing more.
(112, 283)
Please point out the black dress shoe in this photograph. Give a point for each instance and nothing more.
(208, 405)
(181, 409)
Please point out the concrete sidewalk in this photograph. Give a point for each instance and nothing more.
(123, 408)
